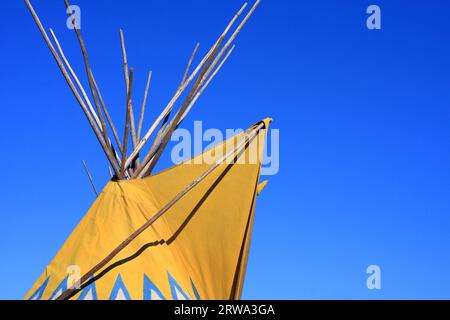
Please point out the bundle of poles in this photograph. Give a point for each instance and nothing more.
(127, 159)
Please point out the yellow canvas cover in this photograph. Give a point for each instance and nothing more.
(196, 250)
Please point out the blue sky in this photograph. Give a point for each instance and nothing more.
(364, 134)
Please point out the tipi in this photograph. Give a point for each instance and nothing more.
(183, 233)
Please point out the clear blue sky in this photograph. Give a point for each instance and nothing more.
(364, 119)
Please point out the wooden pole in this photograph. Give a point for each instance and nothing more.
(181, 89)
(205, 85)
(125, 71)
(144, 103)
(127, 122)
(74, 76)
(124, 59)
(89, 74)
(186, 71)
(141, 117)
(90, 177)
(249, 136)
(77, 95)
(233, 37)
(84, 94)
(108, 117)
